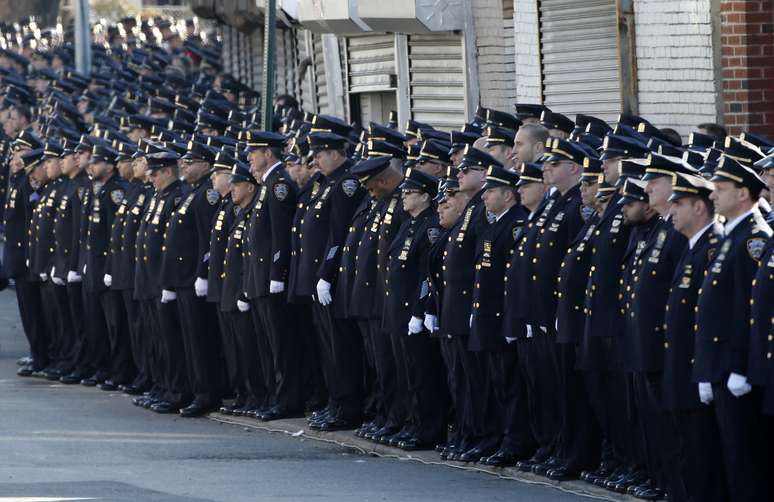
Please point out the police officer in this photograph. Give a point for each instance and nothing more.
(507, 397)
(184, 272)
(326, 222)
(700, 463)
(109, 191)
(268, 249)
(722, 330)
(252, 391)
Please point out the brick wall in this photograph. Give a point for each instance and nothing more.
(528, 79)
(675, 66)
(747, 61)
(493, 77)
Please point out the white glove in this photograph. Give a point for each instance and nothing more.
(415, 325)
(56, 280)
(243, 306)
(200, 287)
(705, 392)
(529, 331)
(168, 296)
(431, 323)
(470, 321)
(276, 287)
(73, 276)
(43, 277)
(543, 329)
(737, 385)
(324, 292)
(84, 268)
(510, 339)
(108, 280)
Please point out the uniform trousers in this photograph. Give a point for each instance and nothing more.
(580, 440)
(283, 337)
(201, 342)
(172, 361)
(747, 457)
(234, 377)
(373, 407)
(151, 344)
(62, 337)
(539, 366)
(389, 412)
(427, 396)
(264, 354)
(122, 368)
(75, 302)
(243, 333)
(97, 339)
(30, 307)
(479, 426)
(138, 339)
(510, 393)
(315, 392)
(343, 363)
(453, 389)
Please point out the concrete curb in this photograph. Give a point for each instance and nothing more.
(298, 428)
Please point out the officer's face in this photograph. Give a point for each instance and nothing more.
(432, 168)
(502, 153)
(471, 179)
(727, 197)
(531, 194)
(241, 191)
(259, 161)
(457, 156)
(221, 182)
(635, 212)
(611, 169)
(39, 174)
(140, 168)
(194, 170)
(659, 190)
(525, 149)
(16, 163)
(588, 194)
(684, 213)
(68, 164)
(100, 170)
(298, 172)
(327, 161)
(768, 178)
(496, 199)
(447, 214)
(412, 199)
(53, 168)
(83, 158)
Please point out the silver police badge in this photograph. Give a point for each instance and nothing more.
(350, 187)
(117, 196)
(755, 247)
(212, 196)
(433, 234)
(281, 191)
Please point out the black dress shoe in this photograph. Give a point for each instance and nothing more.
(393, 440)
(563, 473)
(338, 424)
(108, 386)
(474, 455)
(503, 458)
(132, 390)
(278, 413)
(24, 361)
(53, 374)
(650, 493)
(542, 468)
(195, 410)
(163, 407)
(415, 444)
(25, 371)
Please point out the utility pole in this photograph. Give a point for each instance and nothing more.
(269, 59)
(82, 37)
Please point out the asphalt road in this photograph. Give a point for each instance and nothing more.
(74, 443)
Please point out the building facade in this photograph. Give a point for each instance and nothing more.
(677, 62)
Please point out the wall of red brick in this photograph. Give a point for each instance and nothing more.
(747, 61)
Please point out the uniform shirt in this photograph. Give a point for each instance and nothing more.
(16, 218)
(114, 263)
(723, 317)
(233, 261)
(150, 241)
(300, 287)
(123, 259)
(221, 226)
(67, 225)
(458, 269)
(348, 305)
(187, 237)
(102, 211)
(267, 244)
(655, 269)
(41, 230)
(571, 284)
(493, 250)
(678, 391)
(405, 270)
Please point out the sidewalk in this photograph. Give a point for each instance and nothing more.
(298, 428)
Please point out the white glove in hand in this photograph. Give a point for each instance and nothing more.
(543, 329)
(276, 287)
(168, 296)
(73, 276)
(431, 323)
(510, 339)
(324, 292)
(470, 321)
(737, 385)
(705, 392)
(529, 331)
(56, 280)
(415, 325)
(200, 287)
(108, 280)
(43, 277)
(84, 268)
(243, 306)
